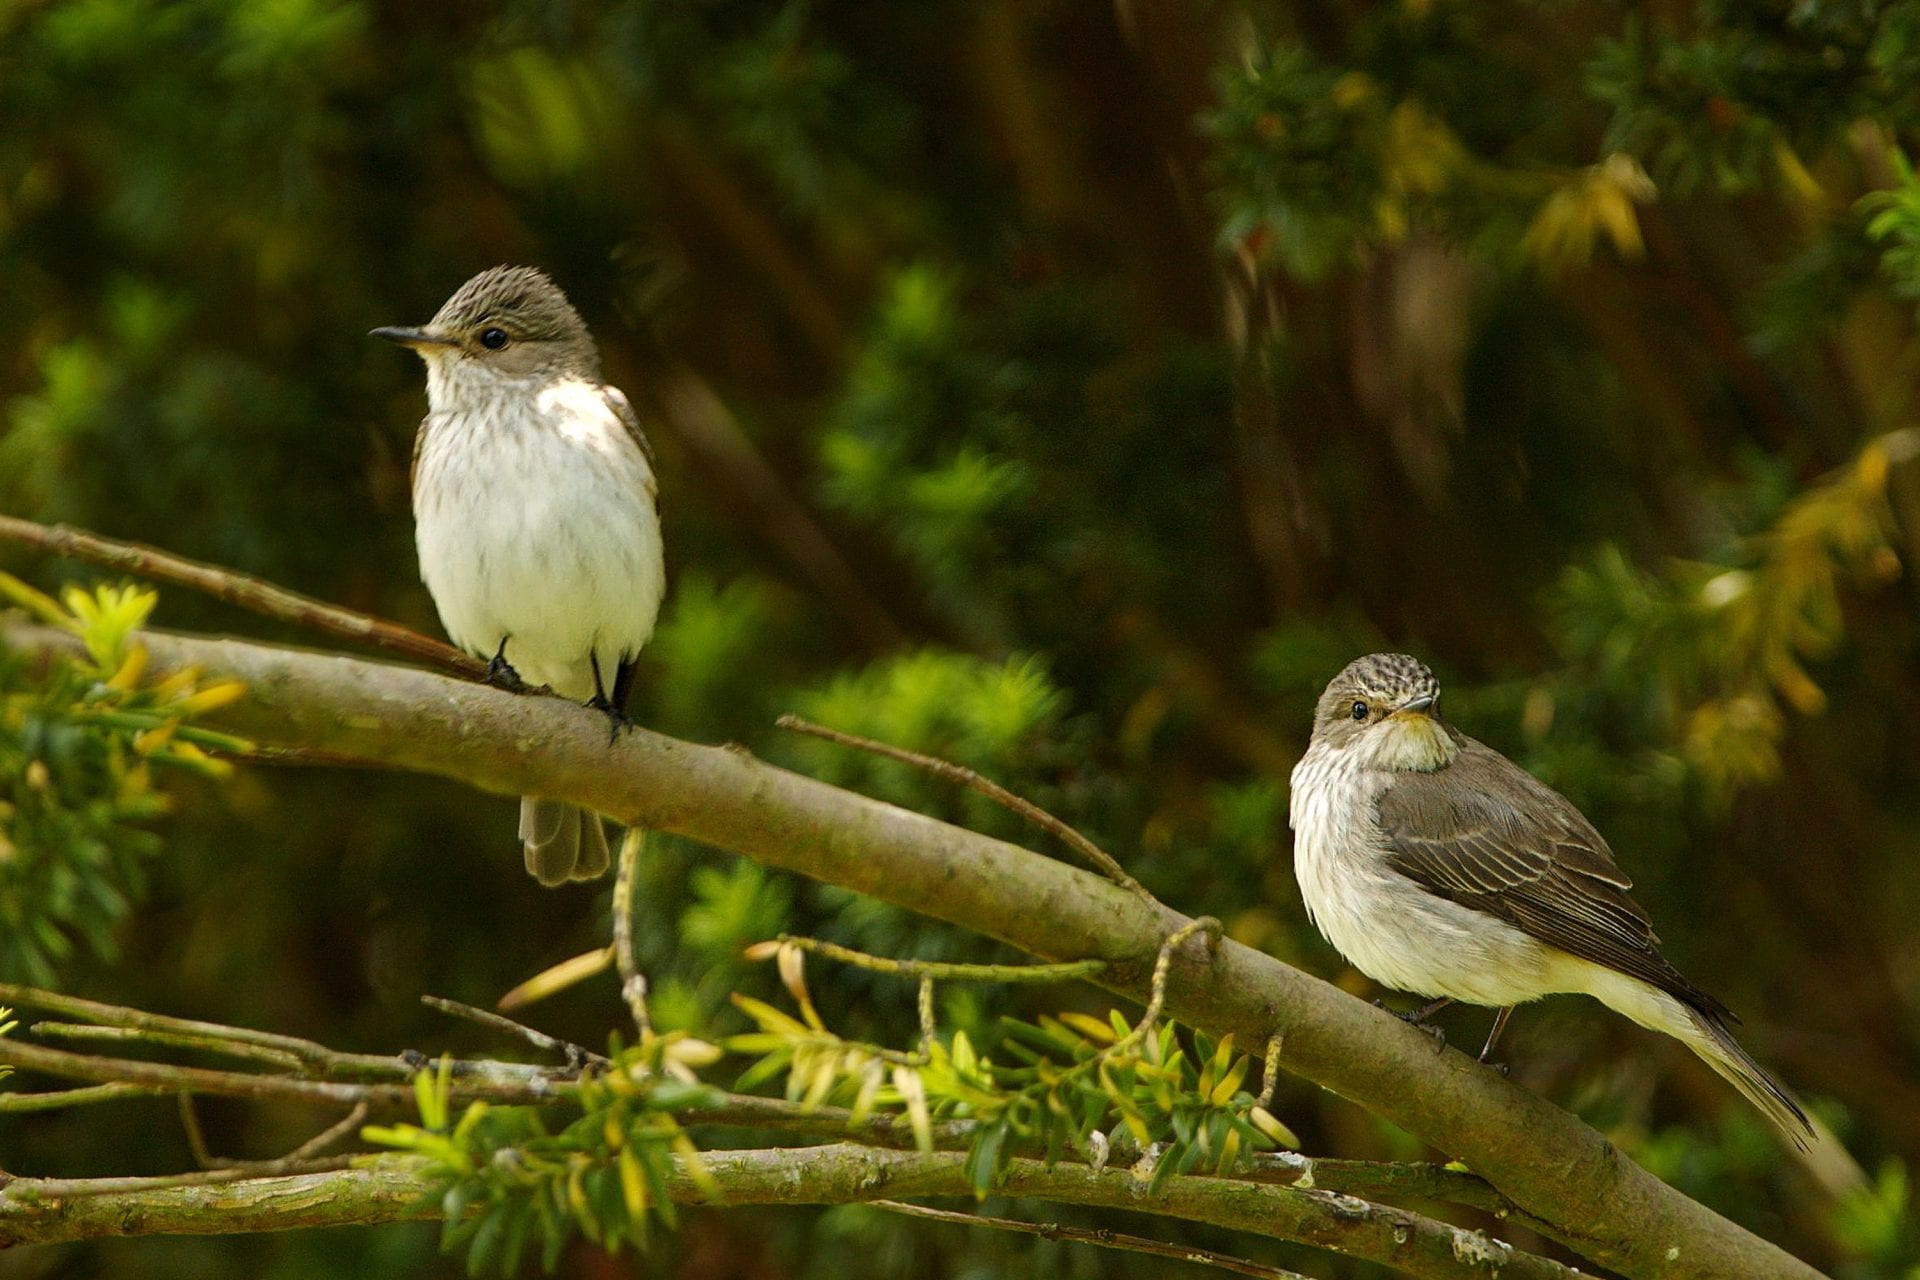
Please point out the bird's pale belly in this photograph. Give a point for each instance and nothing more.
(1394, 931)
(559, 558)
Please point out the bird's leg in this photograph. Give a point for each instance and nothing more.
(1493, 1038)
(614, 711)
(500, 672)
(623, 681)
(1418, 1018)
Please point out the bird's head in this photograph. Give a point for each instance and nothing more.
(506, 327)
(1384, 709)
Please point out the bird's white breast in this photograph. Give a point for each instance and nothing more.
(536, 524)
(1388, 927)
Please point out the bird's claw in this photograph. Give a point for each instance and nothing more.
(501, 675)
(1417, 1019)
(617, 719)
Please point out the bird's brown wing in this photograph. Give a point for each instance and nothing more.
(1486, 834)
(623, 409)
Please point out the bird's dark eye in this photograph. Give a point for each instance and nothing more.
(1359, 711)
(493, 339)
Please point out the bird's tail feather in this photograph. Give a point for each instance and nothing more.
(1718, 1049)
(561, 841)
(1701, 1028)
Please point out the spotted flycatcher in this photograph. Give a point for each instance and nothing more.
(1437, 866)
(533, 504)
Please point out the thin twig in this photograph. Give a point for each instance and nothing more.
(1100, 1236)
(1270, 1069)
(929, 1028)
(345, 1127)
(576, 1055)
(304, 1158)
(240, 1084)
(225, 1045)
(310, 1057)
(1093, 853)
(112, 1015)
(502, 1082)
(939, 969)
(1162, 966)
(633, 983)
(59, 1099)
(240, 589)
(788, 946)
(74, 1188)
(197, 1138)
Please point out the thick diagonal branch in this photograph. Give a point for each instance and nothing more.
(1543, 1159)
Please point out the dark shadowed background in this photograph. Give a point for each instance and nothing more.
(1069, 389)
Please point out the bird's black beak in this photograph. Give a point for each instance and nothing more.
(407, 336)
(1419, 706)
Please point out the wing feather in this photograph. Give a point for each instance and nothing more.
(1486, 834)
(623, 409)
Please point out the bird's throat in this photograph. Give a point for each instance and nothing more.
(1414, 742)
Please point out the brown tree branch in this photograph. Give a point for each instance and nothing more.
(501, 1082)
(577, 1055)
(633, 983)
(401, 1188)
(1365, 1179)
(1334, 1179)
(243, 590)
(60, 1099)
(1544, 1160)
(1019, 806)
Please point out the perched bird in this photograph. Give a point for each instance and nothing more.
(1439, 867)
(533, 503)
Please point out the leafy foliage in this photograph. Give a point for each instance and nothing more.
(1729, 102)
(1730, 639)
(1074, 1084)
(80, 746)
(1878, 1223)
(1318, 162)
(512, 1183)
(1080, 1085)
(1895, 223)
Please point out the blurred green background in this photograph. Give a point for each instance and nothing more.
(1069, 388)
